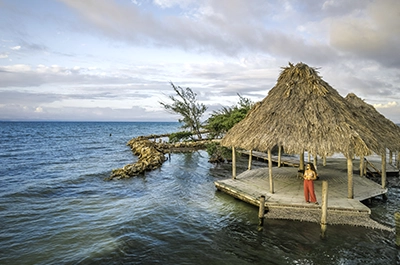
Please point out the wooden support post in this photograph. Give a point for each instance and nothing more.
(390, 157)
(301, 167)
(350, 188)
(365, 167)
(384, 170)
(300, 172)
(309, 156)
(324, 160)
(324, 208)
(279, 155)
(271, 182)
(261, 211)
(233, 162)
(250, 159)
(397, 221)
(398, 160)
(361, 166)
(316, 161)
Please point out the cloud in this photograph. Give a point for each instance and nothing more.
(101, 54)
(214, 27)
(39, 109)
(391, 104)
(371, 33)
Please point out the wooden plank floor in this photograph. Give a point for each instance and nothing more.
(288, 188)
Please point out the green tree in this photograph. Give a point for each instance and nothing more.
(185, 104)
(222, 120)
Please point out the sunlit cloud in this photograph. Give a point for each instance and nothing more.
(386, 106)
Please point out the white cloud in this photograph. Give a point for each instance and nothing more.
(16, 48)
(388, 105)
(39, 110)
(370, 33)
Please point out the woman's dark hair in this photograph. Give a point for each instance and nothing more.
(312, 167)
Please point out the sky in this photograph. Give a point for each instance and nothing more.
(114, 60)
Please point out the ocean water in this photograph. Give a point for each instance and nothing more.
(57, 208)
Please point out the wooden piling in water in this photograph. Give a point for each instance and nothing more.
(397, 220)
(261, 211)
(324, 205)
(324, 208)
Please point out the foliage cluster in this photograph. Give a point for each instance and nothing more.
(222, 120)
(180, 136)
(217, 124)
(186, 105)
(218, 153)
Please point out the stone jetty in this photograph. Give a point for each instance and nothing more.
(152, 154)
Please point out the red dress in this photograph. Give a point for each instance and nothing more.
(309, 193)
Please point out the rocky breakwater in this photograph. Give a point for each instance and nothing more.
(151, 155)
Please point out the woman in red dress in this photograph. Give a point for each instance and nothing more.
(309, 176)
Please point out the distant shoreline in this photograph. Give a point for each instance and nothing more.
(33, 121)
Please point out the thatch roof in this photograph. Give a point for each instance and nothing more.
(385, 128)
(301, 113)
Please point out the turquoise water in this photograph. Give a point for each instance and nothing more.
(56, 207)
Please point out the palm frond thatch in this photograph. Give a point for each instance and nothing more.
(384, 128)
(301, 113)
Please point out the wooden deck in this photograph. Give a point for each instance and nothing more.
(375, 167)
(288, 190)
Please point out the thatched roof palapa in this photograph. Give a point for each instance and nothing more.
(385, 129)
(301, 113)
